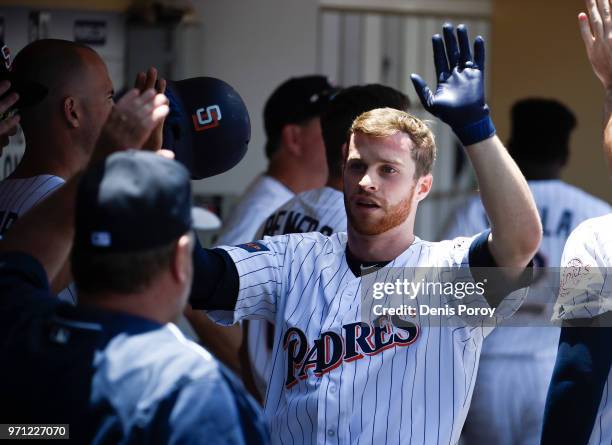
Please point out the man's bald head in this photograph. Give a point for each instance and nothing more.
(79, 98)
(53, 63)
(79, 92)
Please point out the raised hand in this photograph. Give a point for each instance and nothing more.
(596, 31)
(145, 81)
(459, 99)
(131, 122)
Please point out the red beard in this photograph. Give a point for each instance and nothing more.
(386, 218)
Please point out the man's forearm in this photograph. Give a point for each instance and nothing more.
(515, 224)
(459, 101)
(574, 394)
(607, 138)
(222, 341)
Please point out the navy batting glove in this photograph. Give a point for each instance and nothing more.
(459, 98)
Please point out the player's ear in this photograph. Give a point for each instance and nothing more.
(423, 187)
(344, 151)
(181, 265)
(70, 112)
(291, 139)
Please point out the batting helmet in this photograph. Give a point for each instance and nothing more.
(208, 126)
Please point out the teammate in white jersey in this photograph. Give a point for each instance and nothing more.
(320, 210)
(60, 130)
(18, 195)
(579, 401)
(517, 362)
(338, 377)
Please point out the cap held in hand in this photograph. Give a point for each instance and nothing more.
(208, 127)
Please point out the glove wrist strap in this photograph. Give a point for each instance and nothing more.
(476, 132)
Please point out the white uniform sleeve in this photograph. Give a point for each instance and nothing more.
(585, 288)
(469, 295)
(441, 289)
(260, 266)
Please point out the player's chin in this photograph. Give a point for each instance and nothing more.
(367, 228)
(366, 223)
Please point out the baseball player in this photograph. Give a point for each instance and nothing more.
(321, 209)
(579, 403)
(60, 128)
(517, 362)
(337, 375)
(59, 137)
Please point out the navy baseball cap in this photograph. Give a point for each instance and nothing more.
(133, 201)
(294, 101)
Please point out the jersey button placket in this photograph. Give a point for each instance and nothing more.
(329, 390)
(350, 311)
(328, 411)
(350, 304)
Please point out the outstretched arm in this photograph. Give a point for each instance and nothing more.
(459, 101)
(596, 31)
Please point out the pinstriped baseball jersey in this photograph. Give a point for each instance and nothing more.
(263, 196)
(589, 247)
(17, 196)
(320, 210)
(336, 379)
